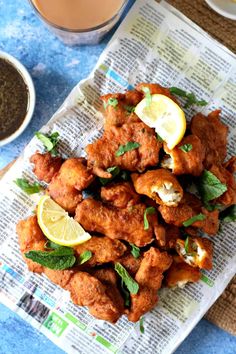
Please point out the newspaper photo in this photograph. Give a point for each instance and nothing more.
(155, 43)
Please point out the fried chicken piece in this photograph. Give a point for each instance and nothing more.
(59, 277)
(130, 263)
(149, 277)
(213, 135)
(155, 89)
(166, 236)
(102, 153)
(121, 109)
(121, 195)
(66, 186)
(160, 185)
(199, 252)
(30, 238)
(45, 166)
(230, 165)
(181, 273)
(123, 224)
(182, 162)
(87, 290)
(188, 207)
(229, 197)
(104, 250)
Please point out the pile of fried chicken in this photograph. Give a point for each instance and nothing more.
(156, 177)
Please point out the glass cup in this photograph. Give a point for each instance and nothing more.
(81, 36)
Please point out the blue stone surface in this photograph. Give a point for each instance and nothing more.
(55, 70)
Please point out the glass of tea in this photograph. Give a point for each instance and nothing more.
(79, 21)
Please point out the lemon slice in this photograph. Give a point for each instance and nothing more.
(163, 114)
(57, 225)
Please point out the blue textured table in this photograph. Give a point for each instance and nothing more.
(55, 69)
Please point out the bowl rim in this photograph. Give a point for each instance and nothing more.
(31, 100)
(220, 11)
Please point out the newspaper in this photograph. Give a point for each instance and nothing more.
(155, 43)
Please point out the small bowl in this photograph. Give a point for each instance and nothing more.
(31, 96)
(226, 8)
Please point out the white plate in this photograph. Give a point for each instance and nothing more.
(226, 8)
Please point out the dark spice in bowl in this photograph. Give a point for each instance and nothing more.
(14, 98)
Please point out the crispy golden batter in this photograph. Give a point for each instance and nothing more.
(123, 224)
(166, 236)
(155, 88)
(230, 165)
(141, 303)
(59, 277)
(181, 162)
(30, 238)
(102, 153)
(121, 195)
(229, 197)
(181, 273)
(130, 263)
(104, 250)
(213, 135)
(66, 186)
(160, 185)
(45, 166)
(199, 252)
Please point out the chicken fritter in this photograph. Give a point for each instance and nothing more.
(123, 224)
(59, 277)
(166, 236)
(181, 273)
(155, 89)
(30, 237)
(130, 263)
(119, 108)
(229, 197)
(144, 301)
(104, 250)
(121, 195)
(213, 135)
(188, 207)
(103, 153)
(45, 166)
(230, 165)
(160, 185)
(66, 186)
(186, 158)
(199, 252)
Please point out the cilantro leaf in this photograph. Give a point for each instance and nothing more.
(190, 97)
(28, 188)
(84, 257)
(49, 141)
(150, 211)
(210, 187)
(131, 284)
(186, 147)
(229, 214)
(128, 147)
(190, 221)
(111, 102)
(141, 326)
(135, 251)
(114, 170)
(129, 109)
(59, 259)
(148, 95)
(186, 244)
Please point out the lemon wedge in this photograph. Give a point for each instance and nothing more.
(57, 225)
(163, 114)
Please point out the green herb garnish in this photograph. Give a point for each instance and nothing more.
(186, 147)
(229, 214)
(124, 175)
(59, 259)
(210, 187)
(114, 170)
(186, 244)
(190, 97)
(159, 138)
(49, 141)
(128, 147)
(51, 245)
(129, 109)
(135, 251)
(150, 211)
(190, 221)
(212, 207)
(131, 284)
(126, 294)
(28, 188)
(148, 95)
(111, 102)
(84, 257)
(141, 326)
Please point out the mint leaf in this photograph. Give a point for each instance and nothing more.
(49, 141)
(135, 251)
(111, 102)
(190, 221)
(114, 170)
(150, 211)
(186, 244)
(51, 245)
(190, 97)
(159, 138)
(84, 257)
(128, 147)
(210, 187)
(141, 326)
(59, 259)
(28, 188)
(186, 147)
(229, 214)
(148, 95)
(126, 294)
(212, 207)
(129, 109)
(131, 284)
